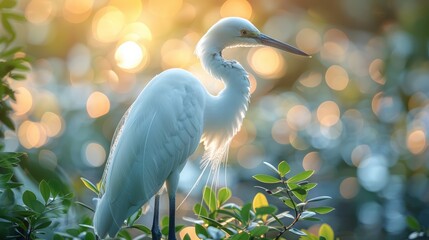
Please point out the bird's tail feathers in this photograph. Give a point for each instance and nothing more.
(104, 222)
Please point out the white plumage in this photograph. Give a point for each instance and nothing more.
(167, 121)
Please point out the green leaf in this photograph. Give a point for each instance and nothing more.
(200, 210)
(266, 210)
(321, 210)
(186, 237)
(266, 178)
(245, 213)
(308, 186)
(241, 236)
(209, 198)
(288, 202)
(201, 231)
(321, 198)
(142, 228)
(284, 168)
(28, 197)
(7, 122)
(7, 198)
(88, 184)
(413, 224)
(301, 176)
(326, 231)
(223, 195)
(259, 230)
(45, 191)
(43, 224)
(7, 4)
(272, 167)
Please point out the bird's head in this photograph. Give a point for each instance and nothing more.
(238, 32)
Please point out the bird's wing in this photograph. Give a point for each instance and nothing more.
(162, 128)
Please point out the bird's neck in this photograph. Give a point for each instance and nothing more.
(225, 112)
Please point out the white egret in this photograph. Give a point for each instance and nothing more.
(167, 121)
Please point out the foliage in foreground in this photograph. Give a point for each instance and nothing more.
(217, 218)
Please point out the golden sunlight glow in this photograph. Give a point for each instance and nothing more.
(137, 31)
(24, 101)
(312, 79)
(40, 11)
(236, 8)
(309, 40)
(165, 8)
(133, 8)
(375, 71)
(52, 123)
(130, 56)
(190, 231)
(328, 113)
(76, 11)
(95, 154)
(97, 105)
(416, 141)
(175, 53)
(311, 161)
(349, 188)
(31, 134)
(267, 62)
(298, 117)
(336, 77)
(107, 24)
(78, 6)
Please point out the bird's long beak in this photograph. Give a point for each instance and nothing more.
(268, 41)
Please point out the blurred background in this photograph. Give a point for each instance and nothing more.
(357, 112)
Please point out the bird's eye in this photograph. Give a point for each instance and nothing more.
(243, 32)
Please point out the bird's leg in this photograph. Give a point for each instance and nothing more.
(172, 183)
(156, 233)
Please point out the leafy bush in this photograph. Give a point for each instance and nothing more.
(220, 219)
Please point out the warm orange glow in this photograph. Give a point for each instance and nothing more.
(416, 141)
(78, 6)
(77, 11)
(298, 117)
(97, 105)
(249, 156)
(175, 53)
(337, 77)
(137, 31)
(328, 113)
(349, 188)
(31, 135)
(40, 11)
(376, 101)
(312, 79)
(267, 62)
(52, 123)
(253, 83)
(359, 153)
(24, 101)
(309, 40)
(132, 8)
(95, 154)
(107, 24)
(281, 131)
(130, 56)
(375, 71)
(236, 8)
(311, 161)
(165, 8)
(190, 231)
